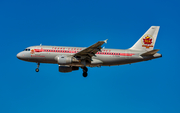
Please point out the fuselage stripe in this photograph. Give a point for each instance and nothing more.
(68, 51)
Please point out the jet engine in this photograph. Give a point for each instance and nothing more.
(65, 60)
(67, 69)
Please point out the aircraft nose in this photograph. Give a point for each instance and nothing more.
(18, 55)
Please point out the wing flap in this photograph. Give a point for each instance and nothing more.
(91, 50)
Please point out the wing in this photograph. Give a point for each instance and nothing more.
(90, 51)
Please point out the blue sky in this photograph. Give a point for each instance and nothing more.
(145, 87)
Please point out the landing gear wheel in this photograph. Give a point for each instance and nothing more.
(37, 70)
(84, 74)
(85, 69)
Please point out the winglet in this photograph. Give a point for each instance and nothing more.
(105, 41)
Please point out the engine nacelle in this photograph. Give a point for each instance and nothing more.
(64, 60)
(67, 69)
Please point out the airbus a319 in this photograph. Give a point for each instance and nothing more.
(72, 58)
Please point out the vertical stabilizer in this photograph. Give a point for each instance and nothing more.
(147, 41)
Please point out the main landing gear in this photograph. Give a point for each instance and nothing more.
(85, 70)
(37, 69)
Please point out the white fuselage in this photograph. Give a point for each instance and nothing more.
(105, 57)
(71, 58)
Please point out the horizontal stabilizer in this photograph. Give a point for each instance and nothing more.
(150, 53)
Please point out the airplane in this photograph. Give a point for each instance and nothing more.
(72, 58)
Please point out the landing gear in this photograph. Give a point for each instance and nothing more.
(37, 69)
(84, 74)
(85, 70)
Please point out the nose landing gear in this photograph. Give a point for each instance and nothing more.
(85, 70)
(37, 69)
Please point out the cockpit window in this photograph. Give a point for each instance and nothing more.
(26, 49)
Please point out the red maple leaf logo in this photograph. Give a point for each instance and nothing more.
(147, 40)
(32, 51)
